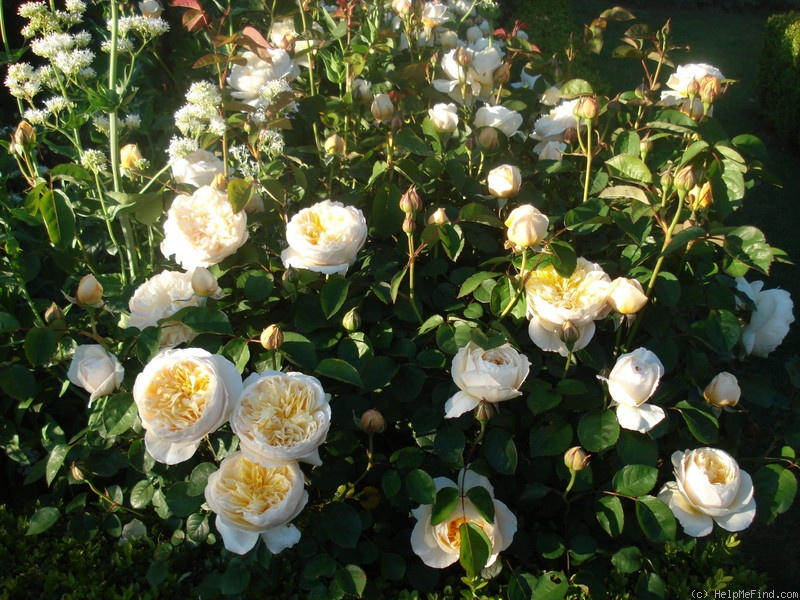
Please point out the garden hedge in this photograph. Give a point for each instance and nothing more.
(779, 74)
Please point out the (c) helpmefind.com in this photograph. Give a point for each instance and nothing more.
(743, 594)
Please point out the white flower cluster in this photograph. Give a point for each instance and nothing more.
(200, 115)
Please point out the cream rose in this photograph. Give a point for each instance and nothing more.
(550, 149)
(484, 64)
(526, 226)
(197, 168)
(709, 487)
(482, 375)
(504, 181)
(506, 120)
(444, 117)
(248, 79)
(151, 8)
(556, 122)
(440, 545)
(626, 296)
(325, 237)
(96, 370)
(160, 297)
(769, 322)
(202, 229)
(281, 417)
(252, 500)
(382, 107)
(182, 396)
(679, 83)
(553, 337)
(723, 391)
(631, 383)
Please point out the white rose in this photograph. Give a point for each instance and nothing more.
(444, 117)
(626, 296)
(580, 298)
(281, 417)
(96, 370)
(551, 337)
(679, 81)
(551, 97)
(439, 545)
(485, 376)
(709, 487)
(252, 500)
(631, 383)
(556, 122)
(382, 107)
(506, 120)
(202, 229)
(182, 396)
(197, 168)
(504, 181)
(550, 149)
(150, 8)
(160, 297)
(434, 14)
(325, 237)
(248, 79)
(526, 226)
(474, 34)
(484, 64)
(770, 321)
(447, 38)
(723, 391)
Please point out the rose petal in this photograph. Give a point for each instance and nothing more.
(640, 418)
(236, 540)
(460, 403)
(694, 523)
(167, 452)
(739, 520)
(279, 538)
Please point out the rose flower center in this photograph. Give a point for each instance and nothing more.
(279, 411)
(178, 394)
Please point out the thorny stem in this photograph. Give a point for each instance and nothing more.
(589, 157)
(521, 288)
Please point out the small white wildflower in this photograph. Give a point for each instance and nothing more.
(146, 27)
(75, 6)
(31, 10)
(56, 104)
(204, 93)
(101, 123)
(36, 116)
(181, 147)
(95, 161)
(243, 161)
(271, 89)
(132, 121)
(272, 142)
(87, 73)
(71, 63)
(22, 81)
(50, 45)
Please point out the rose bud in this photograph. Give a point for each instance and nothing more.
(626, 296)
(526, 225)
(204, 283)
(334, 144)
(351, 321)
(382, 107)
(586, 108)
(723, 391)
(410, 202)
(90, 292)
(272, 337)
(130, 157)
(576, 459)
(372, 421)
(504, 181)
(438, 217)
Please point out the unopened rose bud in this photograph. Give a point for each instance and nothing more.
(570, 334)
(272, 337)
(410, 202)
(204, 283)
(488, 138)
(586, 108)
(53, 313)
(438, 217)
(220, 183)
(463, 57)
(723, 391)
(644, 148)
(397, 122)
(685, 179)
(692, 89)
(570, 135)
(382, 107)
(361, 91)
(129, 157)
(527, 226)
(402, 7)
(484, 412)
(502, 74)
(372, 421)
(576, 459)
(409, 224)
(24, 134)
(626, 296)
(666, 180)
(334, 144)
(77, 472)
(351, 321)
(90, 292)
(700, 196)
(709, 89)
(504, 181)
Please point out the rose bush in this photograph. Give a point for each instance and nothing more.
(391, 293)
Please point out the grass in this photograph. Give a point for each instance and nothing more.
(732, 42)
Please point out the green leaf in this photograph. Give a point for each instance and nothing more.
(299, 350)
(204, 319)
(142, 494)
(342, 524)
(18, 382)
(598, 430)
(550, 545)
(8, 322)
(58, 218)
(452, 239)
(631, 168)
(240, 192)
(748, 245)
(119, 414)
(199, 478)
(627, 559)
(483, 501)
(552, 585)
(198, 527)
(635, 480)
(421, 487)
(551, 437)
(235, 579)
(449, 444)
(627, 192)
(574, 88)
(180, 503)
(408, 140)
(500, 451)
(474, 281)
(683, 237)
(650, 587)
(656, 519)
(475, 548)
(775, 490)
(701, 423)
(564, 258)
(157, 572)
(336, 368)
(54, 461)
(238, 352)
(475, 212)
(521, 586)
(40, 345)
(610, 515)
(42, 520)
(446, 501)
(352, 580)
(334, 294)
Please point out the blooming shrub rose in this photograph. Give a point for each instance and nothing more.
(160, 297)
(769, 322)
(247, 80)
(325, 237)
(254, 501)
(202, 229)
(527, 226)
(482, 375)
(198, 168)
(183, 395)
(723, 391)
(631, 383)
(709, 487)
(96, 370)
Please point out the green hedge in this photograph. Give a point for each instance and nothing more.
(779, 74)
(549, 22)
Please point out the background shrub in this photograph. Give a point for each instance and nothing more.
(779, 74)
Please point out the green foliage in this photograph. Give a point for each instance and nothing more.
(779, 74)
